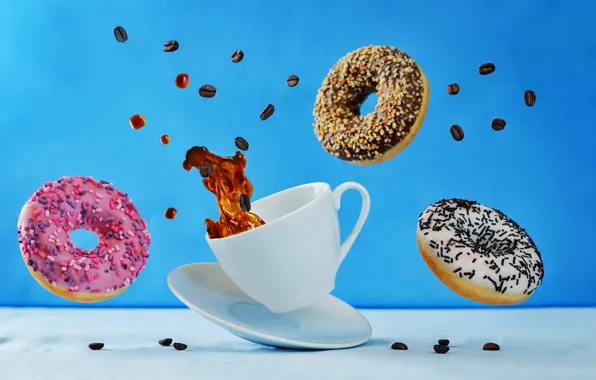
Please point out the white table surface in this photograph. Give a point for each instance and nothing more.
(48, 344)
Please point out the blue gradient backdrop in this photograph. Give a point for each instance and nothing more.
(67, 90)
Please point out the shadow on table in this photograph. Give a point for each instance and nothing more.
(252, 348)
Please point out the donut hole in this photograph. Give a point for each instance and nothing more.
(486, 241)
(365, 102)
(368, 103)
(84, 239)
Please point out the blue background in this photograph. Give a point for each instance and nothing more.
(67, 90)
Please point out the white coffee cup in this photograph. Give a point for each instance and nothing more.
(291, 261)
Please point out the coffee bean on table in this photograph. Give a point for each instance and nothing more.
(207, 91)
(237, 56)
(170, 46)
(165, 342)
(96, 346)
(244, 202)
(267, 112)
(120, 34)
(399, 346)
(241, 143)
(180, 346)
(292, 81)
(498, 124)
(457, 132)
(530, 98)
(205, 169)
(491, 347)
(441, 349)
(453, 89)
(444, 342)
(487, 68)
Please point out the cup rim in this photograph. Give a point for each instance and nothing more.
(326, 186)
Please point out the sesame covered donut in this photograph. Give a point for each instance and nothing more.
(403, 95)
(478, 252)
(73, 203)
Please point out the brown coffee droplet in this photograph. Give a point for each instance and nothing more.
(205, 169)
(244, 202)
(292, 81)
(165, 342)
(170, 46)
(207, 91)
(165, 139)
(530, 98)
(237, 56)
(498, 124)
(443, 342)
(120, 34)
(96, 346)
(457, 132)
(241, 143)
(453, 89)
(267, 112)
(171, 213)
(399, 346)
(486, 68)
(180, 346)
(137, 121)
(491, 347)
(441, 349)
(181, 80)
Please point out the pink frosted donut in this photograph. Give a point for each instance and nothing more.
(72, 203)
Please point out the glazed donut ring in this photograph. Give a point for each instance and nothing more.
(478, 252)
(403, 95)
(71, 203)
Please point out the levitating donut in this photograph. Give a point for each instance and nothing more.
(73, 203)
(478, 252)
(403, 95)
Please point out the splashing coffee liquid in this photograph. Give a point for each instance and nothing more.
(227, 181)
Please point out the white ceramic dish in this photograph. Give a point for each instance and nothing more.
(329, 324)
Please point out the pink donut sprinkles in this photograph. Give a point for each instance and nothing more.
(72, 203)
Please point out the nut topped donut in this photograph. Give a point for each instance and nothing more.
(73, 203)
(478, 252)
(403, 95)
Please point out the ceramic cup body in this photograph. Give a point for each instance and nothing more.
(291, 262)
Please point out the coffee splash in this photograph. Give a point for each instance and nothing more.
(228, 182)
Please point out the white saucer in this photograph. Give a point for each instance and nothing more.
(330, 324)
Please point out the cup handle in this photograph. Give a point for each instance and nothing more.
(336, 197)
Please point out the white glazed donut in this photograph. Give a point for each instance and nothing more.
(478, 252)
